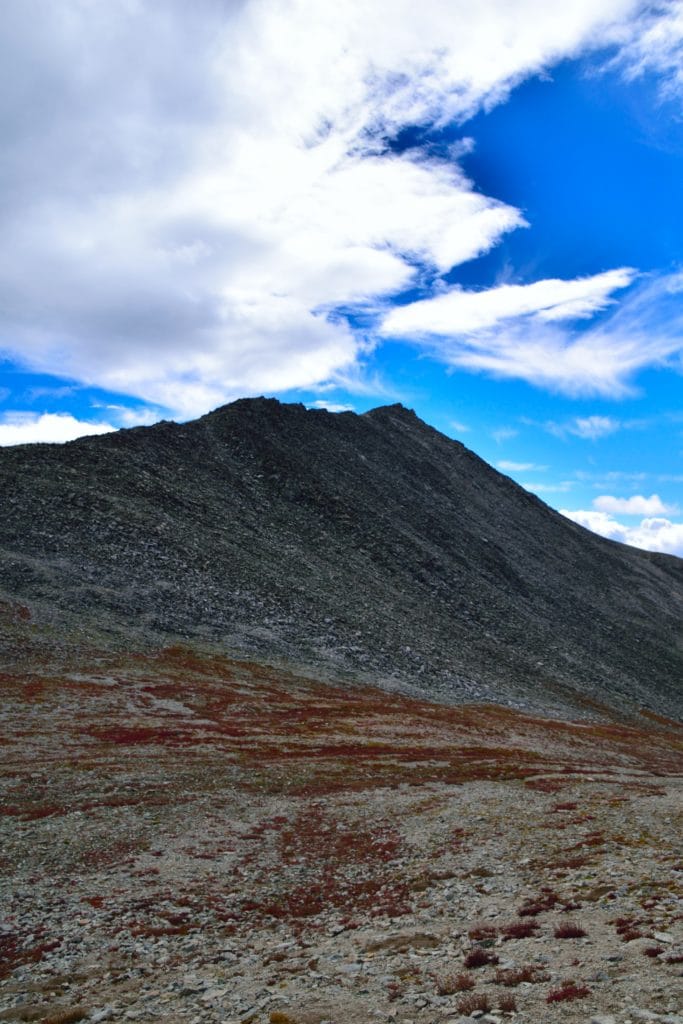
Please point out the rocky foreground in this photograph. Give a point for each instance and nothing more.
(187, 838)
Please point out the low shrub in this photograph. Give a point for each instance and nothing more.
(449, 984)
(480, 958)
(516, 975)
(569, 930)
(519, 930)
(470, 1004)
(567, 991)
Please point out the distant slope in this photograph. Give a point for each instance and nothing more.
(369, 546)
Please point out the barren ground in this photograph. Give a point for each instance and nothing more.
(192, 839)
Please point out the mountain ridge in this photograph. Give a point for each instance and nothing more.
(365, 547)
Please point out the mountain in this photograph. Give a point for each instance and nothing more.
(367, 547)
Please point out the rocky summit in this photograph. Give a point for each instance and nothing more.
(366, 548)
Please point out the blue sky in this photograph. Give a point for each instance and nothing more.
(477, 212)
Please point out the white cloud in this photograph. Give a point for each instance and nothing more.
(593, 427)
(588, 427)
(127, 416)
(320, 403)
(459, 312)
(520, 467)
(504, 434)
(637, 505)
(53, 428)
(651, 534)
(458, 427)
(526, 331)
(543, 488)
(656, 46)
(209, 180)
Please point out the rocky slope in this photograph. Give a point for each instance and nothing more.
(365, 547)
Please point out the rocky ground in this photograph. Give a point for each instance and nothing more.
(193, 839)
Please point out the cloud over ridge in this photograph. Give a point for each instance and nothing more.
(184, 230)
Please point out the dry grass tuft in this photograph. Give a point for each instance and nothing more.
(519, 930)
(516, 975)
(449, 984)
(470, 1004)
(67, 1016)
(569, 930)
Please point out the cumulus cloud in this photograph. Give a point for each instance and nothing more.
(637, 505)
(53, 428)
(195, 188)
(651, 534)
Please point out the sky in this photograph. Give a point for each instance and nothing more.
(472, 209)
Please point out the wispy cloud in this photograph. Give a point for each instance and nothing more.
(529, 332)
(520, 467)
(588, 427)
(469, 313)
(561, 487)
(656, 45)
(52, 428)
(504, 434)
(637, 505)
(131, 416)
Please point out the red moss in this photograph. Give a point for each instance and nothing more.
(479, 957)
(569, 930)
(567, 991)
(18, 950)
(519, 930)
(534, 906)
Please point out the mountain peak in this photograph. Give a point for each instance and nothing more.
(368, 547)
